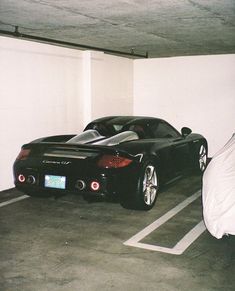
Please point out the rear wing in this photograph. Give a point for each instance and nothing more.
(87, 144)
(67, 150)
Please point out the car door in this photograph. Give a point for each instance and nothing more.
(180, 154)
(178, 151)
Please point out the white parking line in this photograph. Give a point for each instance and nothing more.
(183, 244)
(13, 200)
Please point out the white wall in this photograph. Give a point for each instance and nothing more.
(46, 90)
(108, 86)
(197, 91)
(112, 85)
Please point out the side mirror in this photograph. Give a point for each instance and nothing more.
(185, 131)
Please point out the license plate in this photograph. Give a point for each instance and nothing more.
(52, 181)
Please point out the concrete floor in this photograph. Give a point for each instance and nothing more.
(69, 244)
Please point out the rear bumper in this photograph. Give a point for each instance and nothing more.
(109, 182)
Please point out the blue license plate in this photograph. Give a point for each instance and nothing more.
(52, 181)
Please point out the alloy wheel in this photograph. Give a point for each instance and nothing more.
(202, 158)
(150, 185)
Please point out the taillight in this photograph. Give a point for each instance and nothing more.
(110, 161)
(23, 155)
(21, 178)
(95, 186)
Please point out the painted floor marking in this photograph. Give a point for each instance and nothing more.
(183, 244)
(13, 200)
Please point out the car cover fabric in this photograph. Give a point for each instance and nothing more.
(218, 192)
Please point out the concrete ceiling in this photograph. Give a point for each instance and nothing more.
(162, 28)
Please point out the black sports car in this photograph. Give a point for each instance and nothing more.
(118, 156)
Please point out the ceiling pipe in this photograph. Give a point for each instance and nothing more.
(40, 39)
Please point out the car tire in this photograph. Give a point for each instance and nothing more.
(202, 158)
(145, 194)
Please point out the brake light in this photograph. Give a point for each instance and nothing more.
(23, 155)
(110, 161)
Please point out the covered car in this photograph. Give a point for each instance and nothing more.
(218, 192)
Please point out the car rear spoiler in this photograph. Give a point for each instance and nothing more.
(87, 144)
(68, 150)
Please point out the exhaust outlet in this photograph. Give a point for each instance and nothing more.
(80, 185)
(31, 179)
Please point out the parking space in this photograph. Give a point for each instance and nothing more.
(180, 246)
(70, 244)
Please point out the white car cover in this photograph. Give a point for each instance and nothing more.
(218, 192)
